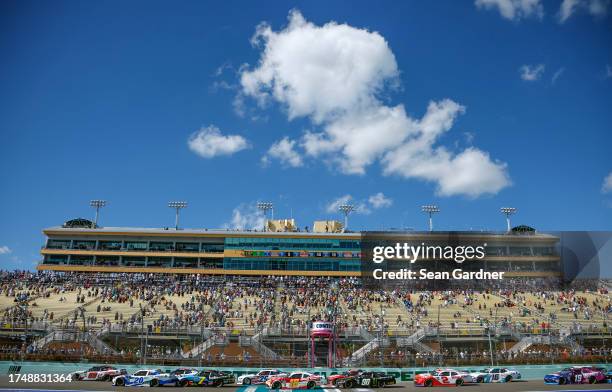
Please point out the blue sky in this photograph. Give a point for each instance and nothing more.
(445, 102)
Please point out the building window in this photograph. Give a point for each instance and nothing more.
(136, 245)
(187, 247)
(107, 260)
(161, 246)
(134, 261)
(110, 245)
(58, 244)
(81, 260)
(164, 262)
(185, 262)
(55, 259)
(86, 245)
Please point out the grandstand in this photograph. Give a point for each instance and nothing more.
(245, 297)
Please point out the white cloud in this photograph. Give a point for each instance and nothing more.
(246, 217)
(334, 75)
(471, 172)
(557, 75)
(607, 184)
(209, 142)
(608, 71)
(319, 71)
(379, 200)
(284, 151)
(332, 206)
(5, 250)
(514, 9)
(531, 73)
(596, 8)
(364, 207)
(360, 206)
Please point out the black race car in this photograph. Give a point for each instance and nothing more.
(207, 378)
(366, 379)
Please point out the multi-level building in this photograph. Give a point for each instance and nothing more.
(78, 246)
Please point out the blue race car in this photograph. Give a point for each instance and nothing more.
(146, 377)
(576, 375)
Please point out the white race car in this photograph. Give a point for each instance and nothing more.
(146, 377)
(496, 375)
(295, 380)
(98, 373)
(260, 378)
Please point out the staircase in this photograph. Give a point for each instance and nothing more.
(257, 345)
(200, 349)
(99, 345)
(414, 341)
(41, 342)
(528, 341)
(73, 336)
(360, 354)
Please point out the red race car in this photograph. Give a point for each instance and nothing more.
(439, 378)
(296, 380)
(333, 379)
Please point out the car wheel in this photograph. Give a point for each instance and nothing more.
(334, 383)
(182, 383)
(311, 385)
(479, 379)
(218, 383)
(351, 384)
(508, 378)
(154, 382)
(246, 381)
(120, 382)
(562, 381)
(106, 377)
(459, 382)
(77, 376)
(592, 380)
(428, 383)
(276, 385)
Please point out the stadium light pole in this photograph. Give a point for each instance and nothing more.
(177, 205)
(346, 209)
(430, 209)
(266, 206)
(97, 204)
(508, 211)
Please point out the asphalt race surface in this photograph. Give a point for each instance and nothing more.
(5, 386)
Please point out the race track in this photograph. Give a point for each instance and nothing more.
(6, 386)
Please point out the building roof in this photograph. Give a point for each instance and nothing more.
(148, 231)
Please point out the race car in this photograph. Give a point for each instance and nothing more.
(295, 380)
(150, 377)
(180, 376)
(98, 373)
(333, 379)
(260, 378)
(495, 375)
(366, 379)
(206, 378)
(575, 375)
(439, 378)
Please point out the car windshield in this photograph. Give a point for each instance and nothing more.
(141, 373)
